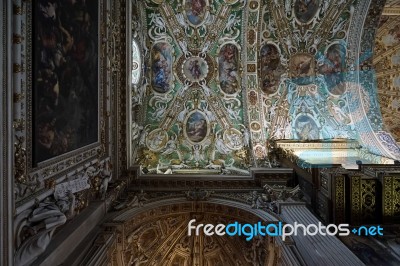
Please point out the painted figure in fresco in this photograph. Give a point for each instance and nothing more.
(306, 128)
(246, 137)
(171, 146)
(161, 67)
(197, 153)
(194, 69)
(228, 75)
(220, 145)
(161, 71)
(198, 6)
(269, 57)
(270, 68)
(195, 10)
(306, 131)
(305, 9)
(333, 68)
(303, 67)
(196, 127)
(156, 141)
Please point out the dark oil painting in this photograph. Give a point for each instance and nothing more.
(65, 76)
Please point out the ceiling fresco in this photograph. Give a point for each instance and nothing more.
(387, 66)
(194, 116)
(223, 77)
(302, 69)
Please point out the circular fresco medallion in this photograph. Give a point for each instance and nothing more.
(233, 139)
(157, 139)
(195, 69)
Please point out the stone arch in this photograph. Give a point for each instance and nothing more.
(361, 81)
(156, 234)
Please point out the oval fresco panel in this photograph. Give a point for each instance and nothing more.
(305, 10)
(161, 66)
(333, 68)
(228, 65)
(271, 68)
(196, 11)
(306, 128)
(196, 126)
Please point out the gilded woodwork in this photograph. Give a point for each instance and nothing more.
(363, 200)
(391, 198)
(340, 207)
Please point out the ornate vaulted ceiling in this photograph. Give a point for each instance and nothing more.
(387, 67)
(165, 241)
(159, 236)
(223, 77)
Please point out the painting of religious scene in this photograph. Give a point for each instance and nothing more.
(196, 126)
(196, 11)
(306, 128)
(302, 69)
(195, 69)
(333, 68)
(271, 68)
(305, 10)
(65, 77)
(161, 67)
(228, 61)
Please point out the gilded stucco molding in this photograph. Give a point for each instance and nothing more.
(391, 11)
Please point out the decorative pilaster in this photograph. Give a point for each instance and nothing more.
(6, 135)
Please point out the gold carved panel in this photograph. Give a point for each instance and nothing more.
(391, 198)
(363, 200)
